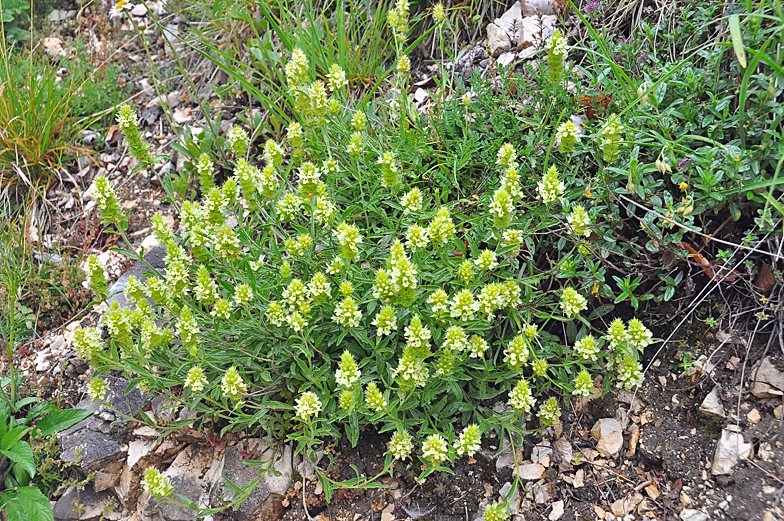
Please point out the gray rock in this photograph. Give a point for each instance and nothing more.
(95, 504)
(266, 498)
(766, 380)
(464, 66)
(608, 434)
(557, 512)
(92, 448)
(123, 404)
(711, 405)
(306, 467)
(542, 454)
(506, 458)
(161, 510)
(58, 15)
(511, 23)
(541, 496)
(537, 7)
(688, 514)
(730, 449)
(94, 441)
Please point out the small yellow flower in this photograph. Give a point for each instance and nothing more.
(683, 185)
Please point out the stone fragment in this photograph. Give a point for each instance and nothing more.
(579, 479)
(58, 15)
(506, 459)
(634, 439)
(498, 40)
(511, 23)
(162, 510)
(607, 433)
(557, 512)
(108, 476)
(711, 405)
(539, 7)
(266, 498)
(527, 53)
(729, 450)
(562, 454)
(464, 66)
(766, 380)
(542, 454)
(541, 495)
(531, 472)
(753, 416)
(536, 30)
(139, 10)
(154, 257)
(421, 95)
(506, 59)
(777, 412)
(43, 361)
(623, 396)
(89, 446)
(623, 506)
(687, 514)
(91, 503)
(306, 467)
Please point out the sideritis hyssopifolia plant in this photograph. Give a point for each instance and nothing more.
(323, 288)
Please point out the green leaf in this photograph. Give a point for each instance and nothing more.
(40, 409)
(35, 504)
(12, 507)
(737, 39)
(25, 401)
(12, 436)
(21, 454)
(61, 420)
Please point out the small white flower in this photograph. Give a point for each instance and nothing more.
(118, 9)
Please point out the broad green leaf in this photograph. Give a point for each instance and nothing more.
(40, 409)
(61, 420)
(12, 436)
(737, 39)
(35, 504)
(12, 507)
(21, 454)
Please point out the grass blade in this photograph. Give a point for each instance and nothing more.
(737, 39)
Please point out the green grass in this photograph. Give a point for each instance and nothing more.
(44, 109)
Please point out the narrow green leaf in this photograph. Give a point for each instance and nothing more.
(737, 39)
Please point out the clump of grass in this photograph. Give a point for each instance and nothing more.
(44, 108)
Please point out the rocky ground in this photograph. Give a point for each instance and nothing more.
(695, 443)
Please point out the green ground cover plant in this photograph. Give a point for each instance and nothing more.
(44, 109)
(28, 460)
(368, 267)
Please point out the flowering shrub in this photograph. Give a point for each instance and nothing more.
(323, 285)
